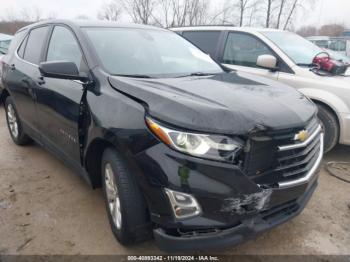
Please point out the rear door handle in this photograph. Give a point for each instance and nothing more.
(41, 80)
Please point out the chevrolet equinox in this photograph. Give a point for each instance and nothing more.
(186, 151)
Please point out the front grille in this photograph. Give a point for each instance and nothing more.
(279, 158)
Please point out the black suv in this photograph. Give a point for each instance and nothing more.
(185, 151)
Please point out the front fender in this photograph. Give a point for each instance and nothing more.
(328, 98)
(119, 123)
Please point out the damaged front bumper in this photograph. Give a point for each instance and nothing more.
(248, 229)
(234, 204)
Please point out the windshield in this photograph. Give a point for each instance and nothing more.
(300, 50)
(148, 53)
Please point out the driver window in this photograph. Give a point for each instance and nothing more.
(243, 49)
(64, 47)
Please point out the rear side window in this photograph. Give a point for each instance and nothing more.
(16, 41)
(64, 47)
(20, 51)
(35, 44)
(205, 40)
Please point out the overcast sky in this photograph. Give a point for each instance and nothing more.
(326, 11)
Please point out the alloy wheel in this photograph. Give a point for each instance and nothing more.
(12, 120)
(113, 196)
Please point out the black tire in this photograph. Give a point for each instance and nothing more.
(20, 137)
(330, 127)
(135, 226)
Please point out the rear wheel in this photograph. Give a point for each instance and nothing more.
(14, 124)
(126, 207)
(330, 127)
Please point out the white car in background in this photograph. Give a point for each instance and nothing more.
(340, 45)
(285, 57)
(5, 41)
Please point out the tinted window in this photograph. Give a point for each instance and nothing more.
(16, 41)
(207, 41)
(243, 49)
(64, 47)
(35, 44)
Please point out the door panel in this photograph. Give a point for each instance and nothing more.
(21, 84)
(58, 100)
(241, 53)
(22, 78)
(58, 109)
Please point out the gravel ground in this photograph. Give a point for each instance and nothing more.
(45, 209)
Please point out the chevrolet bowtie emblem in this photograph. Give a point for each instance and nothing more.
(302, 136)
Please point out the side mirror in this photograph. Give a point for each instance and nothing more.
(267, 62)
(61, 70)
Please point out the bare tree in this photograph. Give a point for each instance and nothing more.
(30, 14)
(181, 12)
(197, 12)
(223, 15)
(281, 13)
(331, 30)
(282, 4)
(268, 13)
(291, 12)
(110, 11)
(141, 11)
(242, 6)
(11, 27)
(165, 10)
(306, 31)
(253, 16)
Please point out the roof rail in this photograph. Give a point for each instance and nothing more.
(202, 25)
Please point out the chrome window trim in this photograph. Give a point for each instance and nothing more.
(303, 144)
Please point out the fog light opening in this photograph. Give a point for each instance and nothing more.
(183, 205)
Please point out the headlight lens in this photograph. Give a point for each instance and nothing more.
(216, 147)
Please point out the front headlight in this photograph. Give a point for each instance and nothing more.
(215, 147)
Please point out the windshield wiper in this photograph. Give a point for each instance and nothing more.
(197, 74)
(134, 76)
(307, 65)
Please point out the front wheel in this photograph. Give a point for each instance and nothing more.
(126, 207)
(14, 124)
(330, 127)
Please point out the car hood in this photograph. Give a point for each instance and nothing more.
(228, 103)
(336, 81)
